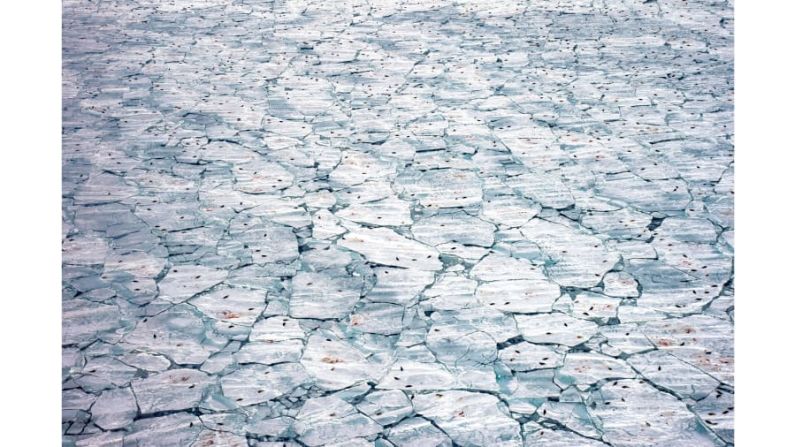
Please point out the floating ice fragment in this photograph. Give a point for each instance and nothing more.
(526, 356)
(470, 419)
(232, 305)
(184, 281)
(457, 227)
(586, 368)
(633, 412)
(385, 247)
(511, 211)
(717, 412)
(172, 429)
(416, 376)
(114, 409)
(322, 296)
(666, 371)
(546, 189)
(254, 384)
(519, 296)
(176, 389)
(386, 407)
(398, 286)
(387, 212)
(446, 188)
(329, 419)
(335, 364)
(417, 432)
(555, 328)
(620, 284)
(579, 259)
(177, 333)
(378, 318)
(535, 434)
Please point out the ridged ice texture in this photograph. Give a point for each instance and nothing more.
(398, 223)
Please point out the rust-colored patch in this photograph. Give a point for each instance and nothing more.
(331, 360)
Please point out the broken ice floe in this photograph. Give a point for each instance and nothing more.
(397, 224)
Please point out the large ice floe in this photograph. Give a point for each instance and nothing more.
(397, 223)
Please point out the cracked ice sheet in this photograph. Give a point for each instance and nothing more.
(397, 223)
